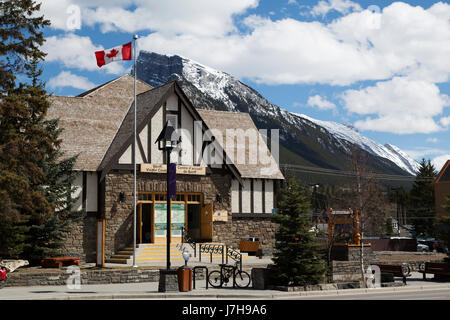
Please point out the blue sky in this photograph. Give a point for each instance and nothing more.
(381, 66)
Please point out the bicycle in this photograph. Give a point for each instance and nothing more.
(3, 278)
(219, 279)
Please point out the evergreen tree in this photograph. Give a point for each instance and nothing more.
(296, 258)
(35, 182)
(421, 208)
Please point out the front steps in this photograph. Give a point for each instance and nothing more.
(155, 254)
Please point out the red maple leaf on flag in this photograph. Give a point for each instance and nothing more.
(113, 53)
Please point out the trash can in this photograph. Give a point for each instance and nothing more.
(260, 278)
(184, 279)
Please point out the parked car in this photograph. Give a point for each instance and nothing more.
(440, 247)
(433, 245)
(422, 247)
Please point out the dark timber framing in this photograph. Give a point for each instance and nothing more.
(172, 87)
(84, 192)
(263, 196)
(252, 196)
(240, 198)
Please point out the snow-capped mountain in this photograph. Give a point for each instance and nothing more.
(388, 151)
(303, 140)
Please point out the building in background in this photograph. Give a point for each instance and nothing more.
(214, 202)
(442, 189)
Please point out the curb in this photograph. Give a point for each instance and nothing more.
(220, 296)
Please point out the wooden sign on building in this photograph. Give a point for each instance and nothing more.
(181, 169)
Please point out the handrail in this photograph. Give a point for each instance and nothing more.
(235, 255)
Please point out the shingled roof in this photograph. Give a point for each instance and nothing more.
(444, 174)
(223, 120)
(98, 124)
(91, 120)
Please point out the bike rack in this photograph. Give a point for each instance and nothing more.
(207, 275)
(211, 248)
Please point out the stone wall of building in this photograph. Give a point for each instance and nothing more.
(232, 231)
(80, 240)
(119, 214)
(59, 277)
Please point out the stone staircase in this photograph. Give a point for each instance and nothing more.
(156, 254)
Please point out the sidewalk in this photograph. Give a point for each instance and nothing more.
(149, 290)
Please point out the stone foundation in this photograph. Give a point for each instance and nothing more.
(80, 240)
(119, 215)
(231, 232)
(59, 277)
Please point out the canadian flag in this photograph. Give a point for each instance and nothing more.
(114, 54)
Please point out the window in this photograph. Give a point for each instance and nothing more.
(173, 120)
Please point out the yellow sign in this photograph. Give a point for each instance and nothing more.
(181, 169)
(220, 215)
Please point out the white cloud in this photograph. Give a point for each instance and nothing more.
(421, 152)
(439, 162)
(199, 17)
(410, 41)
(68, 79)
(77, 52)
(320, 103)
(445, 121)
(400, 105)
(342, 6)
(433, 140)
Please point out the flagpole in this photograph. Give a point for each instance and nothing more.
(134, 158)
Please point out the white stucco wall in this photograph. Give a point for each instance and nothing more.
(91, 192)
(246, 196)
(143, 136)
(156, 127)
(257, 196)
(172, 102)
(269, 195)
(187, 124)
(78, 184)
(126, 157)
(234, 195)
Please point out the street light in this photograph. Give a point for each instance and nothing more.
(167, 141)
(186, 256)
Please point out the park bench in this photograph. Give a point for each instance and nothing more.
(60, 262)
(249, 246)
(402, 271)
(436, 268)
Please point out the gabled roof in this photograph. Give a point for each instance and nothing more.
(91, 120)
(148, 103)
(98, 124)
(444, 174)
(223, 120)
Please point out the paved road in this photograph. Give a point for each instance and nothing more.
(428, 294)
(416, 290)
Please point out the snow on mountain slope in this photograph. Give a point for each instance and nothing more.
(387, 151)
(225, 92)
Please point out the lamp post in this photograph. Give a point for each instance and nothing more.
(167, 142)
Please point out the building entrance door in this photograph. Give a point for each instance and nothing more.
(186, 214)
(206, 230)
(145, 232)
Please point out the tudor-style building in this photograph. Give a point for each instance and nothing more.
(442, 190)
(220, 202)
